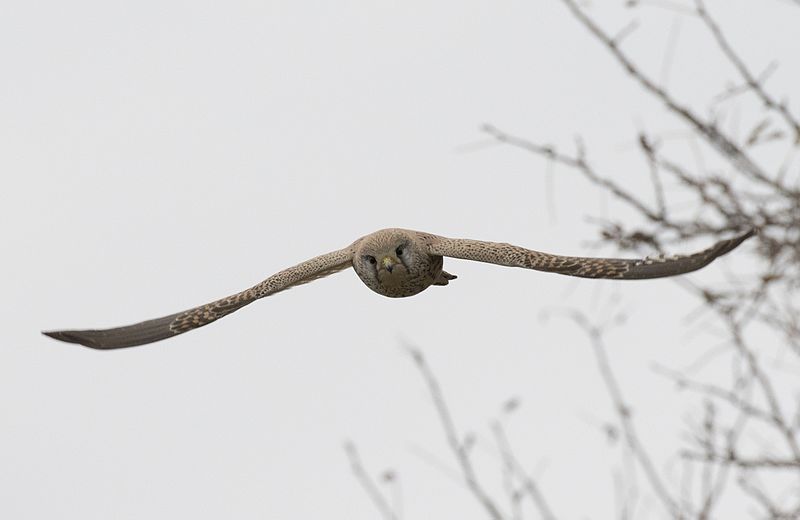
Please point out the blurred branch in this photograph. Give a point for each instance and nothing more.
(731, 397)
(750, 80)
(516, 469)
(764, 500)
(632, 439)
(713, 135)
(577, 162)
(369, 486)
(767, 388)
(460, 449)
(735, 459)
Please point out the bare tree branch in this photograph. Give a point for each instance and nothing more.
(750, 80)
(517, 470)
(577, 162)
(714, 136)
(459, 448)
(735, 459)
(369, 486)
(624, 415)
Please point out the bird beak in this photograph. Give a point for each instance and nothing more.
(388, 263)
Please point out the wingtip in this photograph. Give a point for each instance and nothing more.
(726, 246)
(753, 231)
(68, 336)
(58, 334)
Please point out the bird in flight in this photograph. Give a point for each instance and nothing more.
(398, 263)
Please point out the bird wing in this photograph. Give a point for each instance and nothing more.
(615, 268)
(174, 324)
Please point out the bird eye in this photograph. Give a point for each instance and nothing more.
(371, 259)
(399, 251)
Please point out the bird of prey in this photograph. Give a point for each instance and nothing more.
(398, 263)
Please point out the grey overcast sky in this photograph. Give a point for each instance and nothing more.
(156, 155)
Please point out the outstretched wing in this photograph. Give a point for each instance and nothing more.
(614, 268)
(174, 324)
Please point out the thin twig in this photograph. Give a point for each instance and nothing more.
(624, 414)
(460, 450)
(366, 482)
(750, 80)
(734, 459)
(709, 131)
(577, 162)
(529, 485)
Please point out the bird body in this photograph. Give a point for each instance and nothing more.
(398, 263)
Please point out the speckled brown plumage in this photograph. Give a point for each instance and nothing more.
(614, 268)
(397, 263)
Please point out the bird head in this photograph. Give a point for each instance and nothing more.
(392, 262)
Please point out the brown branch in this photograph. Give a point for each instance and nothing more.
(730, 397)
(756, 493)
(726, 203)
(624, 414)
(713, 135)
(750, 80)
(369, 486)
(577, 162)
(735, 216)
(767, 387)
(655, 177)
(514, 466)
(459, 448)
(734, 459)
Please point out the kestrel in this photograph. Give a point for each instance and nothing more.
(398, 263)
